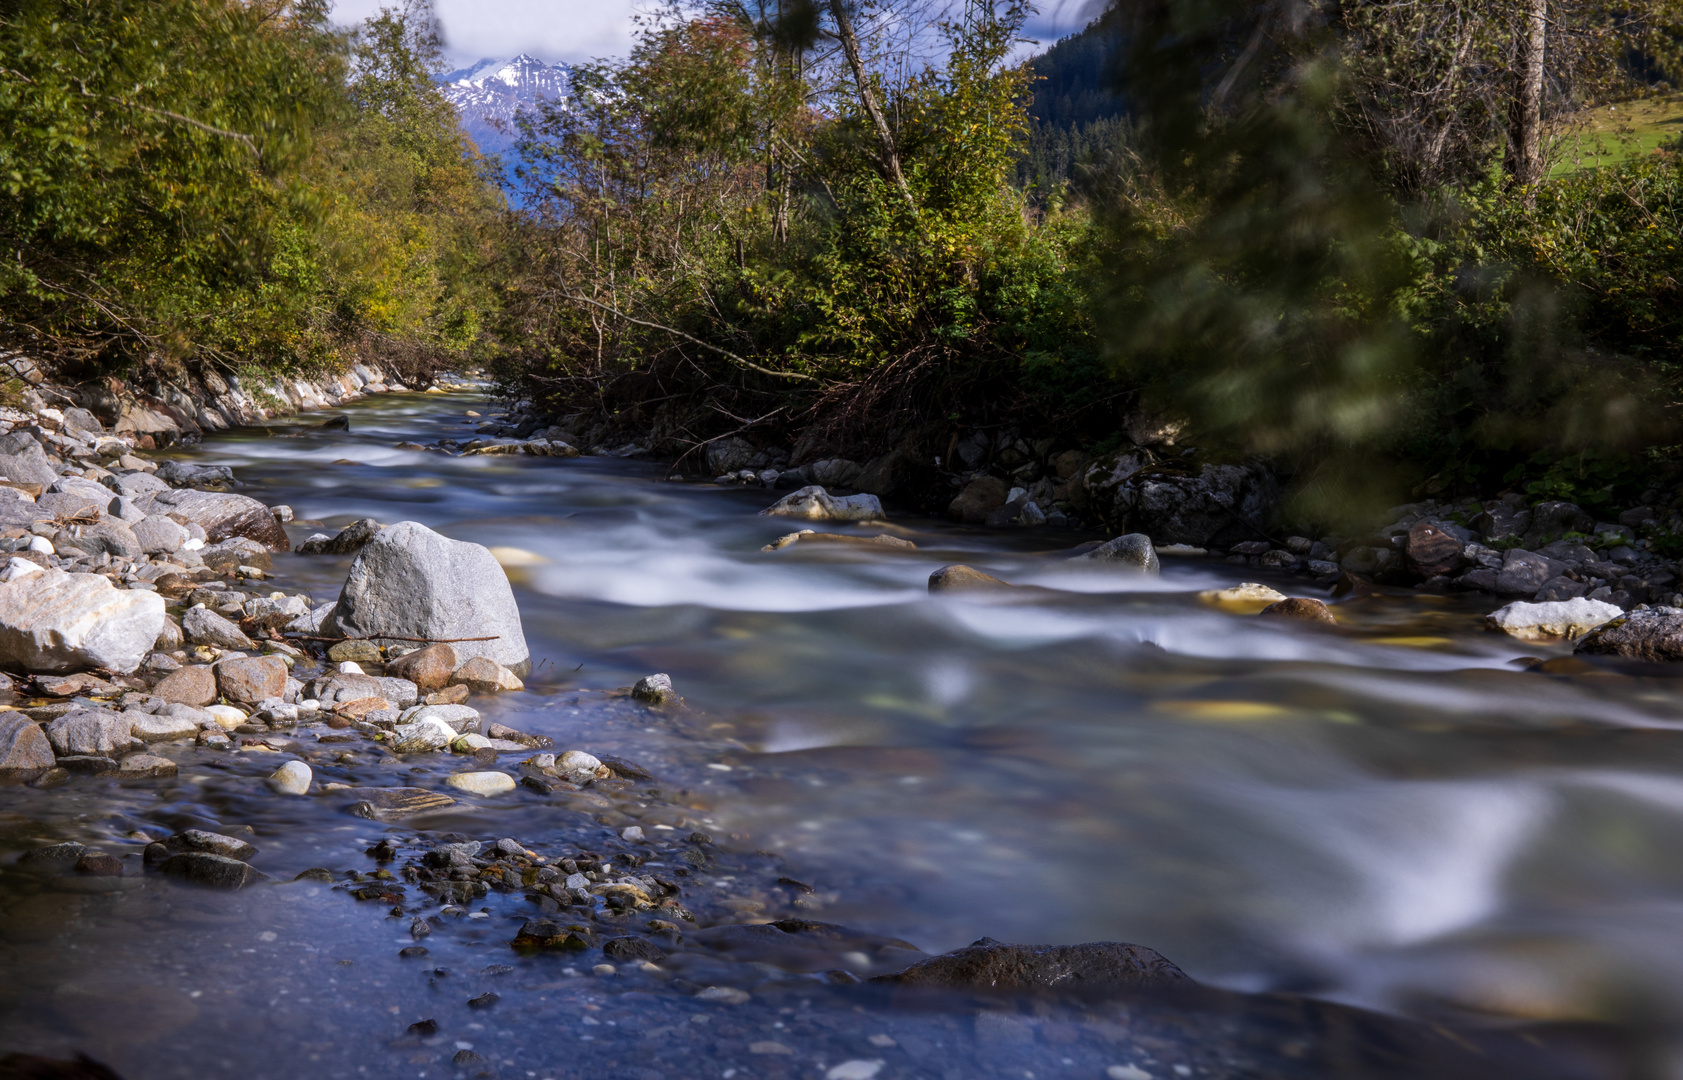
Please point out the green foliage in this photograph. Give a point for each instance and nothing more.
(195, 181)
(702, 237)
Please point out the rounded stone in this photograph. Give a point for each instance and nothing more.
(959, 576)
(193, 685)
(482, 783)
(293, 778)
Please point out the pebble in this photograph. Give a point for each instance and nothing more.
(655, 690)
(483, 1001)
(467, 744)
(226, 716)
(293, 778)
(857, 1069)
(632, 833)
(724, 995)
(350, 667)
(604, 970)
(577, 761)
(482, 783)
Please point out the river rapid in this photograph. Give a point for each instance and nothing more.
(1392, 814)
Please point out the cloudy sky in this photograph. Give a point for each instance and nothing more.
(581, 29)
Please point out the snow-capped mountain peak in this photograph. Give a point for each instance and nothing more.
(490, 92)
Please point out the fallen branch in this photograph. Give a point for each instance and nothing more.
(688, 337)
(395, 637)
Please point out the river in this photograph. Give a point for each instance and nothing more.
(1391, 814)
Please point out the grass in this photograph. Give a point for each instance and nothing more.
(1612, 133)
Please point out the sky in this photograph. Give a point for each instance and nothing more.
(572, 30)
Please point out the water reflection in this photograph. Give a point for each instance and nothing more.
(1390, 814)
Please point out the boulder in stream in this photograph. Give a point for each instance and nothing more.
(1654, 635)
(410, 582)
(54, 621)
(1130, 550)
(221, 515)
(815, 504)
(1551, 619)
(991, 965)
(959, 576)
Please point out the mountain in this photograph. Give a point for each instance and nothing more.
(1077, 119)
(493, 90)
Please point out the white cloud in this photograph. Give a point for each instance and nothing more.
(551, 30)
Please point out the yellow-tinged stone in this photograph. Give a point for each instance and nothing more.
(1412, 642)
(1246, 599)
(1224, 710)
(512, 557)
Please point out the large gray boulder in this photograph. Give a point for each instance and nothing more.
(813, 503)
(221, 514)
(22, 460)
(1132, 550)
(54, 621)
(410, 582)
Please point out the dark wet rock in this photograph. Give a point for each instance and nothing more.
(409, 952)
(1099, 966)
(53, 857)
(1133, 550)
(958, 576)
(1219, 505)
(222, 515)
(350, 540)
(807, 537)
(979, 498)
(205, 627)
(315, 873)
(248, 680)
(1553, 520)
(89, 764)
(549, 934)
(1560, 588)
(213, 871)
(655, 690)
(630, 770)
(25, 751)
(99, 864)
(193, 685)
(484, 1001)
(429, 668)
(508, 734)
(424, 1028)
(409, 581)
(1523, 573)
(197, 840)
(1301, 608)
(1430, 550)
(627, 949)
(1654, 635)
(32, 1067)
(798, 944)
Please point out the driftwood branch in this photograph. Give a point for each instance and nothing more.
(395, 637)
(688, 337)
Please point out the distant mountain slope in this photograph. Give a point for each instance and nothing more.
(1076, 79)
(1076, 118)
(491, 91)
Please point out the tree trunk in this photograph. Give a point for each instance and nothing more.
(868, 100)
(1525, 110)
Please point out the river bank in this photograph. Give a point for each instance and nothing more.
(610, 577)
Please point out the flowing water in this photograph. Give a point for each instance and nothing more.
(1393, 814)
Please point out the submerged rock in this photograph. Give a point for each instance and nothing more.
(410, 582)
(214, 871)
(293, 778)
(958, 576)
(655, 690)
(1551, 619)
(815, 504)
(1301, 608)
(1133, 550)
(1245, 597)
(991, 965)
(482, 783)
(54, 621)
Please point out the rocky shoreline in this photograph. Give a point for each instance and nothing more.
(1562, 573)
